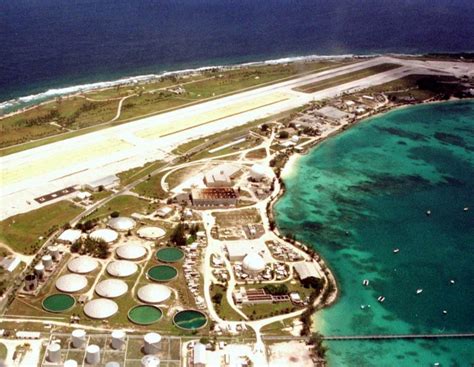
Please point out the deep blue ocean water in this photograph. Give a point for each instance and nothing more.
(376, 181)
(55, 43)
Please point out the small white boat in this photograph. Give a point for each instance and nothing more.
(445, 312)
(381, 299)
(362, 307)
(452, 281)
(466, 209)
(365, 282)
(436, 364)
(428, 212)
(396, 251)
(419, 290)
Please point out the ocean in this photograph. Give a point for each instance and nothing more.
(376, 181)
(49, 45)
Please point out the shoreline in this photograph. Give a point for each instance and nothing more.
(289, 169)
(71, 90)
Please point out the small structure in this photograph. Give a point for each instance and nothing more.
(211, 197)
(122, 224)
(31, 282)
(93, 354)
(150, 361)
(199, 355)
(53, 353)
(164, 211)
(10, 263)
(54, 252)
(70, 363)
(152, 343)
(307, 269)
(47, 261)
(39, 271)
(107, 182)
(78, 338)
(118, 339)
(69, 236)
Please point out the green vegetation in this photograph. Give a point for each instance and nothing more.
(178, 236)
(22, 232)
(124, 204)
(95, 110)
(92, 247)
(346, 78)
(276, 289)
(224, 310)
(151, 187)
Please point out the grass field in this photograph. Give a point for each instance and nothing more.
(21, 232)
(237, 217)
(346, 78)
(93, 114)
(3, 351)
(124, 204)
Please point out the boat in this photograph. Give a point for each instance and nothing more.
(466, 209)
(452, 281)
(436, 364)
(381, 299)
(365, 282)
(419, 290)
(396, 251)
(362, 307)
(445, 312)
(428, 212)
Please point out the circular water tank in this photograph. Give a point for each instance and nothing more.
(104, 234)
(71, 283)
(253, 263)
(131, 252)
(82, 265)
(54, 353)
(111, 288)
(121, 268)
(151, 343)
(100, 308)
(122, 224)
(78, 338)
(93, 354)
(54, 252)
(118, 339)
(154, 293)
(31, 282)
(47, 261)
(39, 271)
(70, 363)
(150, 361)
(112, 364)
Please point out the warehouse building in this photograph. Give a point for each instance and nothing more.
(211, 197)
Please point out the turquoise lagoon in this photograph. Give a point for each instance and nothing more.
(361, 194)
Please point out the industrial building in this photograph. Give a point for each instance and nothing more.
(151, 233)
(104, 234)
(212, 197)
(307, 269)
(107, 182)
(69, 236)
(221, 176)
(71, 283)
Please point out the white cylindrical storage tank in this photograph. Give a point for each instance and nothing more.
(31, 282)
(93, 354)
(118, 339)
(150, 361)
(54, 353)
(47, 261)
(78, 338)
(39, 271)
(257, 172)
(112, 364)
(54, 252)
(151, 343)
(70, 363)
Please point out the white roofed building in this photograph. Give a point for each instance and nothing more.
(199, 355)
(104, 234)
(221, 176)
(106, 182)
(307, 269)
(253, 263)
(69, 236)
(122, 224)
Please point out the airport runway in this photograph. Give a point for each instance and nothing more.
(76, 161)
